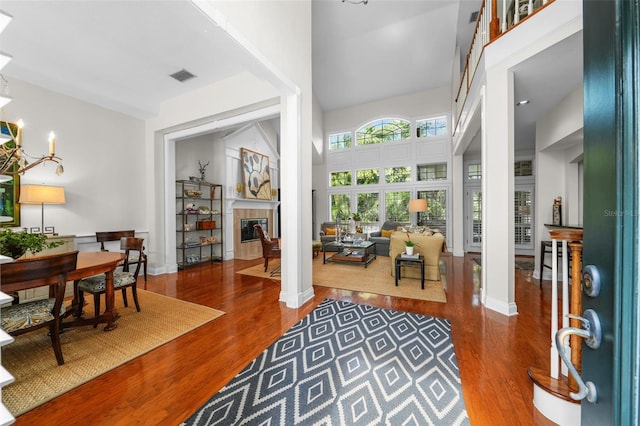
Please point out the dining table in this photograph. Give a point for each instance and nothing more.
(89, 264)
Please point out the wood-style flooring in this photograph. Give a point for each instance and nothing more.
(168, 384)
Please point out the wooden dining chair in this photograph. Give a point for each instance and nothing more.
(270, 246)
(34, 272)
(96, 285)
(108, 236)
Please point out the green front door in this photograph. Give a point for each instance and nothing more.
(611, 211)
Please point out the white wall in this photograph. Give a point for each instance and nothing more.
(103, 156)
(558, 145)
(278, 35)
(425, 104)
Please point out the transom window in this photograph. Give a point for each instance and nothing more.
(474, 172)
(340, 178)
(397, 174)
(431, 127)
(436, 171)
(340, 141)
(385, 130)
(523, 168)
(367, 177)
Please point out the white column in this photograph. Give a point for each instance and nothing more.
(497, 192)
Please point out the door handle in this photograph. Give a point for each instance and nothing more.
(592, 333)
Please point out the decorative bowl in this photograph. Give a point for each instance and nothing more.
(193, 193)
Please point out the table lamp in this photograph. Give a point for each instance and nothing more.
(41, 194)
(417, 205)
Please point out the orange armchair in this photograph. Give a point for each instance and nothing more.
(270, 246)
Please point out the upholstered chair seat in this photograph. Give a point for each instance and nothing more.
(98, 283)
(29, 314)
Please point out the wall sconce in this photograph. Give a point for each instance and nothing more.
(239, 187)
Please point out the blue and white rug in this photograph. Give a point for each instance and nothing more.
(346, 364)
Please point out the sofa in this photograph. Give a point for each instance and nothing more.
(430, 246)
(382, 238)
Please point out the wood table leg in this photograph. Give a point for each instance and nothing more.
(110, 313)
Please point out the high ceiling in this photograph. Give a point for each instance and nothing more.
(386, 48)
(119, 54)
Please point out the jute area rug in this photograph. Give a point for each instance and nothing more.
(347, 364)
(89, 352)
(376, 278)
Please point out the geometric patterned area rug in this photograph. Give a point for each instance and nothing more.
(345, 364)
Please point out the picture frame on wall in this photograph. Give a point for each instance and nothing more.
(9, 190)
(256, 175)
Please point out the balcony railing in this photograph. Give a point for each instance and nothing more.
(488, 28)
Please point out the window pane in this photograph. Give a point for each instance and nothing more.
(340, 179)
(397, 174)
(384, 130)
(522, 217)
(436, 171)
(369, 206)
(397, 206)
(431, 127)
(341, 140)
(436, 215)
(476, 211)
(368, 177)
(340, 207)
(474, 172)
(523, 168)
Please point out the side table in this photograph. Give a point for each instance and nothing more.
(403, 262)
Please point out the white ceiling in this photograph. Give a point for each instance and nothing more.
(119, 54)
(385, 48)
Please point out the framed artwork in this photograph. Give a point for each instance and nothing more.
(256, 176)
(9, 190)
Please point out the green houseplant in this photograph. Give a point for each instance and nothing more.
(15, 244)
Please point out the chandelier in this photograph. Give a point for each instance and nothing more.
(14, 160)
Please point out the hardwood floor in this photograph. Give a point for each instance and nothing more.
(168, 384)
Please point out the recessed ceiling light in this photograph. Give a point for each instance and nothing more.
(523, 102)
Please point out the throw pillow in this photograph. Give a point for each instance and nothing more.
(385, 233)
(330, 231)
(267, 237)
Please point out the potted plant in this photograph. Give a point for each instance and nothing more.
(15, 244)
(409, 245)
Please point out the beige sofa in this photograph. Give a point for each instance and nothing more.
(430, 246)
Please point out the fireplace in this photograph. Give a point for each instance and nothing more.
(248, 233)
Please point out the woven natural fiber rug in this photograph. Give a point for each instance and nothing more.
(90, 352)
(347, 364)
(375, 278)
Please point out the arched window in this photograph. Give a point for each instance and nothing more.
(384, 130)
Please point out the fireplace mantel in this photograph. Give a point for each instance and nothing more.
(244, 203)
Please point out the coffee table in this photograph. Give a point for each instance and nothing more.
(351, 253)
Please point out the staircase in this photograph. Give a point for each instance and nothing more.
(553, 388)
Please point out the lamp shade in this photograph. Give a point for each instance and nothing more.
(418, 205)
(41, 194)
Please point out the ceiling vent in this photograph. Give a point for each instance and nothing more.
(474, 17)
(182, 75)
